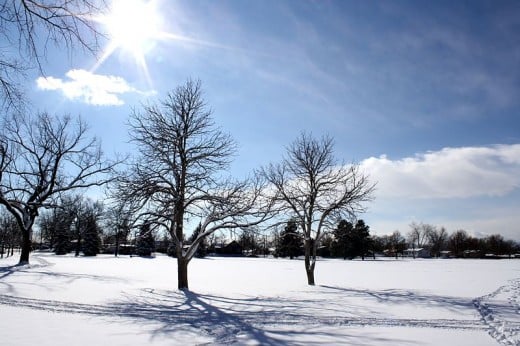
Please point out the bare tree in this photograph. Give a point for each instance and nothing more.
(41, 157)
(418, 235)
(437, 239)
(118, 218)
(31, 25)
(316, 191)
(9, 235)
(178, 173)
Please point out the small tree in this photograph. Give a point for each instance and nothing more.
(145, 241)
(290, 241)
(342, 244)
(316, 190)
(437, 239)
(351, 241)
(458, 243)
(248, 242)
(396, 244)
(62, 238)
(202, 250)
(91, 236)
(418, 235)
(362, 239)
(9, 234)
(119, 221)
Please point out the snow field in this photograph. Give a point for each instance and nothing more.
(257, 301)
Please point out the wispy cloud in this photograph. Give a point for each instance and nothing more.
(94, 89)
(449, 173)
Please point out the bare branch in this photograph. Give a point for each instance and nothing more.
(31, 25)
(311, 188)
(42, 157)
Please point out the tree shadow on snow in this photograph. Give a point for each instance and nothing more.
(396, 296)
(268, 321)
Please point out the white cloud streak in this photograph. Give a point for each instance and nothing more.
(94, 89)
(449, 173)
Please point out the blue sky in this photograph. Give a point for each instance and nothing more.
(425, 96)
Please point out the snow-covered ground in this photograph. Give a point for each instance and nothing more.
(62, 300)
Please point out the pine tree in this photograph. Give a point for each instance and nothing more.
(351, 241)
(290, 243)
(145, 241)
(342, 245)
(202, 250)
(362, 239)
(62, 232)
(91, 240)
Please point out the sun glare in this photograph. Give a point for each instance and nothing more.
(133, 25)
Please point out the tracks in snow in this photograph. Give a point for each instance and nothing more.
(500, 311)
(224, 319)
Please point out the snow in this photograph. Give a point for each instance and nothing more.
(59, 300)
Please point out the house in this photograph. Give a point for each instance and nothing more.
(417, 253)
(231, 249)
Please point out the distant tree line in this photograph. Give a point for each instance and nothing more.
(350, 240)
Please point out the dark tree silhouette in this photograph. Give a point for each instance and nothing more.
(145, 241)
(342, 243)
(290, 241)
(202, 250)
(351, 241)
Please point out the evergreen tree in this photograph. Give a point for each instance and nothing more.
(362, 240)
(351, 241)
(61, 239)
(91, 240)
(63, 219)
(341, 246)
(145, 241)
(202, 250)
(290, 242)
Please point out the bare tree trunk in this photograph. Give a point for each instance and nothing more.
(26, 247)
(309, 269)
(310, 276)
(182, 273)
(116, 251)
(78, 246)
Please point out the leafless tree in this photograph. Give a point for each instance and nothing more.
(41, 157)
(418, 235)
(119, 220)
(315, 190)
(177, 176)
(437, 239)
(30, 26)
(9, 235)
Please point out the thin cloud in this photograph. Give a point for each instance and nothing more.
(94, 89)
(449, 173)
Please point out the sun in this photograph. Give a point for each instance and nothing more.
(133, 25)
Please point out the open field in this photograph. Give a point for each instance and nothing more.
(255, 301)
